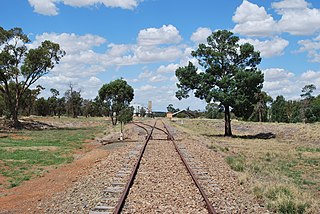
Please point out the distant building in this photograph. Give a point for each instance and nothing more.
(169, 115)
(183, 113)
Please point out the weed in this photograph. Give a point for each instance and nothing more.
(236, 162)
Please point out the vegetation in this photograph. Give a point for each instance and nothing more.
(305, 110)
(116, 95)
(26, 154)
(283, 172)
(230, 76)
(20, 68)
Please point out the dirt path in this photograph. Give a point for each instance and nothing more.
(25, 198)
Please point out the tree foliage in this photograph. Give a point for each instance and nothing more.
(230, 76)
(117, 95)
(73, 101)
(22, 67)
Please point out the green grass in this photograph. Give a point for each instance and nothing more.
(25, 154)
(236, 162)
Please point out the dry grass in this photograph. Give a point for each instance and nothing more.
(284, 171)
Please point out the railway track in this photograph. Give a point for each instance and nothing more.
(159, 163)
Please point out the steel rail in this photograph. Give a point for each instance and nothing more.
(133, 174)
(151, 127)
(135, 123)
(208, 203)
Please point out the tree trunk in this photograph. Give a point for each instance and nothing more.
(227, 122)
(14, 113)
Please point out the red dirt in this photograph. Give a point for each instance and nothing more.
(24, 198)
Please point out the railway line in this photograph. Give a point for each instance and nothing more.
(163, 179)
(162, 183)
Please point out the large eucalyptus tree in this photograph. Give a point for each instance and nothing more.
(230, 78)
(22, 67)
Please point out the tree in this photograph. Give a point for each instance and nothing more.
(100, 107)
(306, 113)
(23, 67)
(261, 108)
(61, 104)
(142, 112)
(42, 107)
(307, 91)
(53, 101)
(279, 110)
(171, 109)
(28, 100)
(230, 75)
(125, 116)
(117, 95)
(213, 111)
(73, 102)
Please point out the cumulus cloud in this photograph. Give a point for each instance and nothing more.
(201, 35)
(171, 68)
(82, 62)
(253, 20)
(45, 7)
(290, 4)
(268, 48)
(71, 43)
(48, 7)
(312, 47)
(297, 17)
(301, 21)
(158, 78)
(167, 34)
(282, 82)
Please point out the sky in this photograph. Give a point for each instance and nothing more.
(145, 41)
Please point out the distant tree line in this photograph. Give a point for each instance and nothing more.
(72, 104)
(306, 109)
(20, 68)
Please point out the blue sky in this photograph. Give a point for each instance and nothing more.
(145, 41)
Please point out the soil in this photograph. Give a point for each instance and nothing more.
(25, 198)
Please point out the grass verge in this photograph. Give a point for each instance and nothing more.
(282, 172)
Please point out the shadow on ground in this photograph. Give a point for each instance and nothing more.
(264, 136)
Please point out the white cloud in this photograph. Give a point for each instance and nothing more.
(253, 20)
(268, 48)
(167, 34)
(312, 47)
(94, 81)
(312, 76)
(158, 78)
(282, 82)
(273, 74)
(146, 88)
(300, 21)
(171, 68)
(124, 4)
(290, 4)
(48, 7)
(296, 17)
(45, 7)
(71, 43)
(145, 74)
(201, 35)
